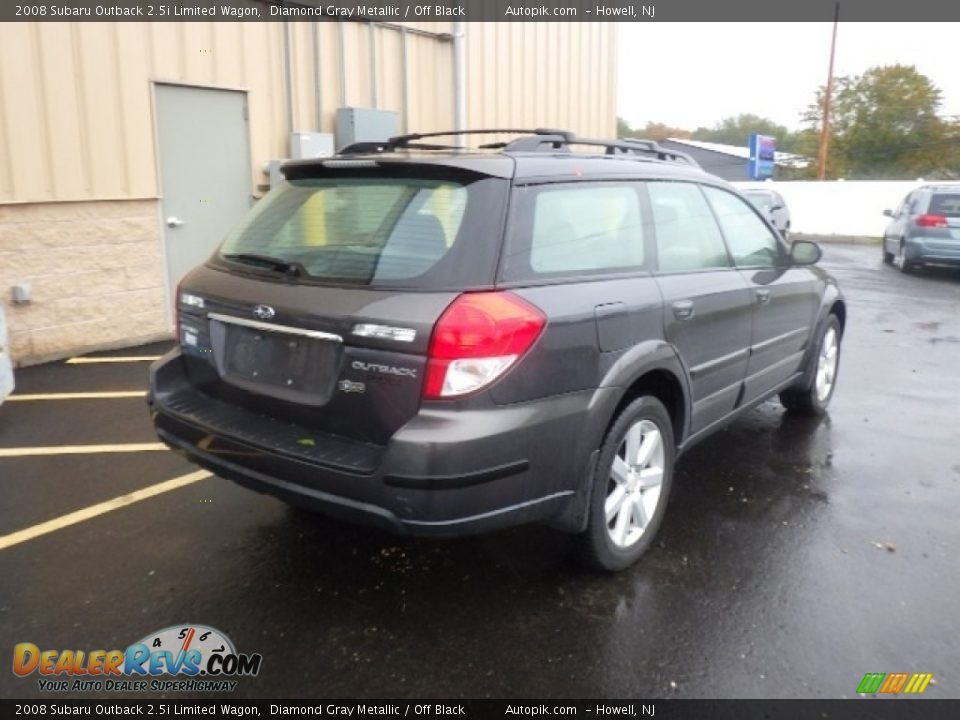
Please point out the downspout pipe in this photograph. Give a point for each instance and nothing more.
(460, 79)
(341, 46)
(317, 78)
(288, 78)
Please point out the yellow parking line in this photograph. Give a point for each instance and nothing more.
(99, 509)
(80, 449)
(79, 396)
(123, 359)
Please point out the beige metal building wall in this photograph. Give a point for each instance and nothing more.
(79, 188)
(558, 75)
(75, 98)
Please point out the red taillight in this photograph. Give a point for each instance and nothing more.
(931, 221)
(477, 339)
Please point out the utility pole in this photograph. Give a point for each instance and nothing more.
(827, 96)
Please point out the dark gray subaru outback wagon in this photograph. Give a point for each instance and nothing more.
(443, 342)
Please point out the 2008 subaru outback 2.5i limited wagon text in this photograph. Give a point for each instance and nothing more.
(443, 342)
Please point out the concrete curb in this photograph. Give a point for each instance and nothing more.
(837, 239)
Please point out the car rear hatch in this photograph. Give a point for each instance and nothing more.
(942, 220)
(318, 308)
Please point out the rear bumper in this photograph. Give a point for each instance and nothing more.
(932, 250)
(445, 473)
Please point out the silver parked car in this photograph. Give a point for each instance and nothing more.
(772, 204)
(924, 228)
(6, 365)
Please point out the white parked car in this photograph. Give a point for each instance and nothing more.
(6, 364)
(773, 205)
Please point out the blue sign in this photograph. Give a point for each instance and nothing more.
(762, 151)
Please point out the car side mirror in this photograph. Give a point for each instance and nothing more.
(888, 213)
(804, 252)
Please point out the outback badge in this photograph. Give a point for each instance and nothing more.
(264, 312)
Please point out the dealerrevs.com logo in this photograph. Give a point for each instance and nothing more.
(180, 658)
(895, 683)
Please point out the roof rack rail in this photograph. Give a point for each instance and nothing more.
(402, 142)
(536, 140)
(627, 146)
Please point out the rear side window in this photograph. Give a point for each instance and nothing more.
(375, 231)
(687, 234)
(944, 204)
(751, 242)
(575, 230)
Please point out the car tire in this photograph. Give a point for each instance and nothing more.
(813, 400)
(887, 255)
(904, 265)
(628, 499)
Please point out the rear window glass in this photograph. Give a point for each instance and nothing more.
(576, 230)
(942, 204)
(371, 231)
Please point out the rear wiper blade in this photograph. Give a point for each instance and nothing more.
(287, 267)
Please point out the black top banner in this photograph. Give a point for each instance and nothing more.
(854, 709)
(479, 10)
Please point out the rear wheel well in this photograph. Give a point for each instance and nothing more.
(664, 386)
(839, 309)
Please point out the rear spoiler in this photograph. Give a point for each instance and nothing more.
(465, 167)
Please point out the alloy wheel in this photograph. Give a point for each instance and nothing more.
(633, 488)
(827, 364)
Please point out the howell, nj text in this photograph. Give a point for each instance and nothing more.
(630, 710)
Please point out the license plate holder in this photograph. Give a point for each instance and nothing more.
(289, 366)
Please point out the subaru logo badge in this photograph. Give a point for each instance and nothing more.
(264, 312)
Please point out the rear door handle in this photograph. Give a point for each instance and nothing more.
(763, 295)
(683, 309)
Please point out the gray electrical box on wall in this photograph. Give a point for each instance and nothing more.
(306, 145)
(272, 169)
(364, 125)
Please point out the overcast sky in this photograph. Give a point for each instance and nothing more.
(689, 75)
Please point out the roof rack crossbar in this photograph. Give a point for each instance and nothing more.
(536, 140)
(410, 141)
(483, 131)
(368, 148)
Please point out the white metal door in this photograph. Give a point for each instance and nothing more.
(204, 156)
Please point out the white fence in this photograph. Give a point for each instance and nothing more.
(838, 207)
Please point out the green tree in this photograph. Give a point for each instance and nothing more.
(737, 131)
(660, 131)
(885, 124)
(651, 131)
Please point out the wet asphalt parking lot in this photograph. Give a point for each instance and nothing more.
(796, 554)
